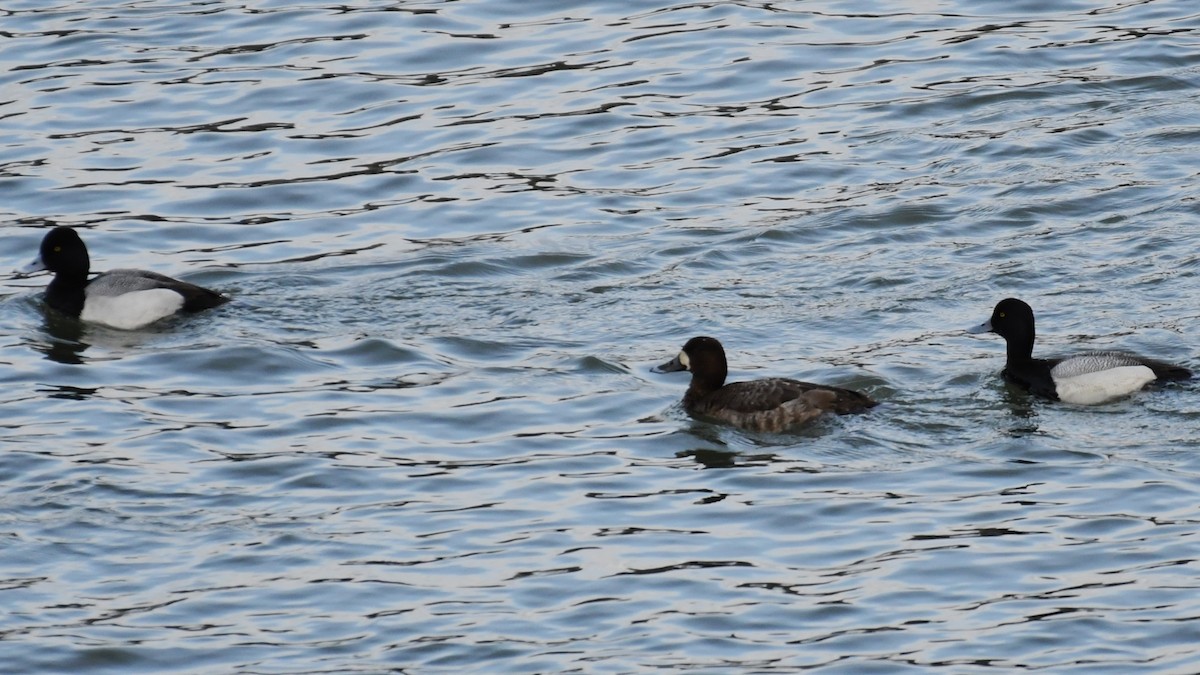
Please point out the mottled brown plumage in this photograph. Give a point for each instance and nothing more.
(772, 404)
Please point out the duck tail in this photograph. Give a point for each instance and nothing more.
(1166, 372)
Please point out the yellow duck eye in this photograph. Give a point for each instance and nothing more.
(57, 249)
(1001, 315)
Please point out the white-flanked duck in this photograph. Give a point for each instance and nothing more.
(1088, 378)
(122, 298)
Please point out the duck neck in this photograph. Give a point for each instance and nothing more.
(65, 278)
(1020, 345)
(703, 384)
(65, 292)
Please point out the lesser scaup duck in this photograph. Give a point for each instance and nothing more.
(121, 298)
(772, 404)
(1091, 377)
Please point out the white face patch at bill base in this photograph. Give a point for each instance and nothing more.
(1102, 385)
(684, 360)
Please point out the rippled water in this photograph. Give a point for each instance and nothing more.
(425, 436)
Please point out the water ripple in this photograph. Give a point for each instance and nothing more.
(424, 436)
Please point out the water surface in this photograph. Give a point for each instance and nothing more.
(425, 436)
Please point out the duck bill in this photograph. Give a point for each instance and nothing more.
(36, 266)
(985, 327)
(672, 366)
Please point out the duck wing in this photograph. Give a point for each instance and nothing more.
(1093, 362)
(776, 404)
(122, 281)
(771, 393)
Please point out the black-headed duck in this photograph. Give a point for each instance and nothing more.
(122, 298)
(1088, 378)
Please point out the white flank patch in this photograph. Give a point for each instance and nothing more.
(131, 310)
(1103, 385)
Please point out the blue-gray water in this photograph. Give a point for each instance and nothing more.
(424, 436)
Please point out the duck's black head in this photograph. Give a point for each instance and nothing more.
(63, 252)
(1012, 319)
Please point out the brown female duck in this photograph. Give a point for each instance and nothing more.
(772, 404)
